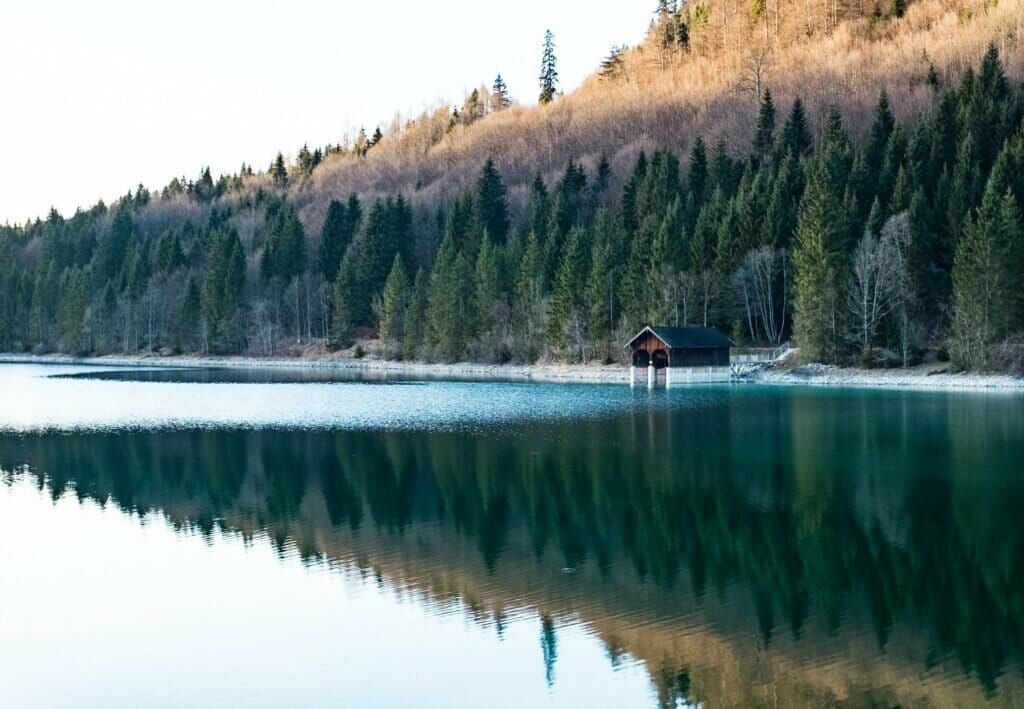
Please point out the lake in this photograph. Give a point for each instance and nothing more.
(258, 538)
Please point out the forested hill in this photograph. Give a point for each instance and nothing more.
(848, 177)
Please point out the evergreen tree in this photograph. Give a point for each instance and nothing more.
(278, 171)
(170, 255)
(285, 254)
(334, 239)
(223, 291)
(530, 304)
(548, 70)
(500, 98)
(764, 133)
(567, 295)
(881, 130)
(815, 297)
(445, 304)
(796, 133)
(986, 279)
(600, 294)
(394, 305)
(415, 315)
(188, 314)
(491, 208)
(487, 282)
(346, 301)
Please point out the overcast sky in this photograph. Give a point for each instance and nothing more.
(99, 96)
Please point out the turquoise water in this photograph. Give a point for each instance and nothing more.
(248, 538)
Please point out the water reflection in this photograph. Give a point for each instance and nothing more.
(784, 547)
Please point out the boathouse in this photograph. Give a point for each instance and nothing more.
(684, 354)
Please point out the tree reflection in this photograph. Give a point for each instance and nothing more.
(825, 511)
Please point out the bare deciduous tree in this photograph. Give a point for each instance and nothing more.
(762, 285)
(878, 279)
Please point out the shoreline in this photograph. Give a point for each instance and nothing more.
(806, 375)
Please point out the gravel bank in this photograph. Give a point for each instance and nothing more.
(913, 378)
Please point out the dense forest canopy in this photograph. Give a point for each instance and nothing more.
(875, 244)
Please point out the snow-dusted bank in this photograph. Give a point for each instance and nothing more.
(813, 374)
(913, 378)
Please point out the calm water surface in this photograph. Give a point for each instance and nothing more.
(233, 538)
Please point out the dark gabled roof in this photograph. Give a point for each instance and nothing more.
(692, 337)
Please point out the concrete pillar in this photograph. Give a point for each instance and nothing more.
(652, 376)
(632, 375)
(668, 377)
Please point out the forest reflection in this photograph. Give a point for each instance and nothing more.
(734, 548)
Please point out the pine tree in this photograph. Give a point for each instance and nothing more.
(796, 133)
(285, 254)
(136, 273)
(415, 316)
(394, 304)
(600, 294)
(881, 130)
(986, 279)
(346, 299)
(500, 98)
(548, 70)
(487, 286)
(764, 133)
(490, 205)
(445, 308)
(223, 291)
(334, 239)
(278, 171)
(613, 64)
(567, 295)
(815, 297)
(187, 316)
(530, 305)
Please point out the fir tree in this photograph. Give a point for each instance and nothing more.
(816, 270)
(500, 98)
(187, 316)
(881, 130)
(600, 294)
(796, 133)
(548, 70)
(278, 171)
(415, 315)
(530, 305)
(285, 254)
(764, 133)
(394, 304)
(223, 291)
(346, 299)
(445, 306)
(491, 208)
(487, 285)
(986, 278)
(334, 238)
(567, 295)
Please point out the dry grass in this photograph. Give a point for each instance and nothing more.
(705, 92)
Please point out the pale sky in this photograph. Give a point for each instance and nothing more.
(100, 96)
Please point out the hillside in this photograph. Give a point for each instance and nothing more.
(761, 167)
(651, 102)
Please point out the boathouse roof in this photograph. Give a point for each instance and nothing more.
(690, 337)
